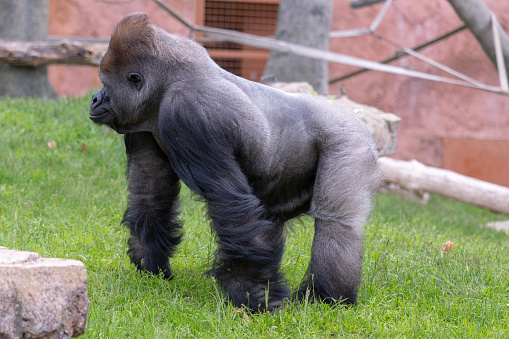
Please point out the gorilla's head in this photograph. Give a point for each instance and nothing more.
(131, 72)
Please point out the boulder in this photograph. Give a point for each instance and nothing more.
(383, 125)
(41, 297)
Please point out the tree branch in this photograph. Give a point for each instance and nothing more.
(399, 55)
(418, 177)
(32, 54)
(362, 3)
(477, 16)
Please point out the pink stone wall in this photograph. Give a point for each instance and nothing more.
(97, 19)
(431, 112)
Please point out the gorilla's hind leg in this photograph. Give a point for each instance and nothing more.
(341, 205)
(334, 272)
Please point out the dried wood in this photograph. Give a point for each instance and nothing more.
(362, 3)
(499, 225)
(478, 18)
(418, 177)
(33, 54)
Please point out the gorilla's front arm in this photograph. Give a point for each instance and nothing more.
(152, 208)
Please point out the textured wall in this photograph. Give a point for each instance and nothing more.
(96, 19)
(430, 111)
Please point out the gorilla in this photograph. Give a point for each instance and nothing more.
(256, 155)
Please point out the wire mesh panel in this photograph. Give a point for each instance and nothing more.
(231, 65)
(253, 17)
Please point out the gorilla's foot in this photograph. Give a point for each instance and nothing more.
(157, 270)
(255, 295)
(148, 261)
(307, 293)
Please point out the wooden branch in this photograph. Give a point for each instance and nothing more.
(418, 177)
(92, 57)
(314, 53)
(399, 55)
(477, 16)
(362, 3)
(479, 19)
(33, 54)
(499, 53)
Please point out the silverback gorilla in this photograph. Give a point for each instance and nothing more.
(257, 156)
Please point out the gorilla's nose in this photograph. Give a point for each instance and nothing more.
(97, 98)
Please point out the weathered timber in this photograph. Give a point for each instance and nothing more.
(418, 177)
(31, 54)
(477, 16)
(499, 225)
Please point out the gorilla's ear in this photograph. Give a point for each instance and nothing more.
(132, 36)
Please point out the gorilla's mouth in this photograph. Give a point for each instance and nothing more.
(99, 115)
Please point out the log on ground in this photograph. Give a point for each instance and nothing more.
(32, 54)
(418, 177)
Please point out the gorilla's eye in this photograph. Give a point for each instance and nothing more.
(136, 80)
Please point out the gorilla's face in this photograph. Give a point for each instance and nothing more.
(130, 97)
(125, 103)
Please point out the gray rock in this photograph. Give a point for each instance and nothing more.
(41, 297)
(383, 125)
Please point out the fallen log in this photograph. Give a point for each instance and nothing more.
(418, 177)
(33, 54)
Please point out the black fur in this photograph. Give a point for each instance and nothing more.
(152, 211)
(258, 157)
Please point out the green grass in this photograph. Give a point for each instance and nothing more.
(65, 202)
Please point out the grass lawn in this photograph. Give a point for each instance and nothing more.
(67, 201)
